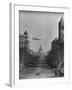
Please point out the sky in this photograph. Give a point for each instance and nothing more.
(42, 25)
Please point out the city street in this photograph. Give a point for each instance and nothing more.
(36, 73)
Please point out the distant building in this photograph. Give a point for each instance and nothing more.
(41, 59)
(40, 51)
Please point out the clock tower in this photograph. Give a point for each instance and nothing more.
(61, 29)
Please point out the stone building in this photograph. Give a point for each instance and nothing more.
(61, 29)
(58, 46)
(23, 40)
(59, 42)
(23, 45)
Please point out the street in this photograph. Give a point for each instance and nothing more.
(38, 72)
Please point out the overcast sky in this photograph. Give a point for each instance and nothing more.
(43, 25)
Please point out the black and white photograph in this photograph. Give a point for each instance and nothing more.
(41, 44)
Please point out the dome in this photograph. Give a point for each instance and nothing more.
(25, 32)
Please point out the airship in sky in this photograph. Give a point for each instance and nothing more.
(35, 38)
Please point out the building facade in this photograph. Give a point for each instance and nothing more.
(58, 46)
(23, 46)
